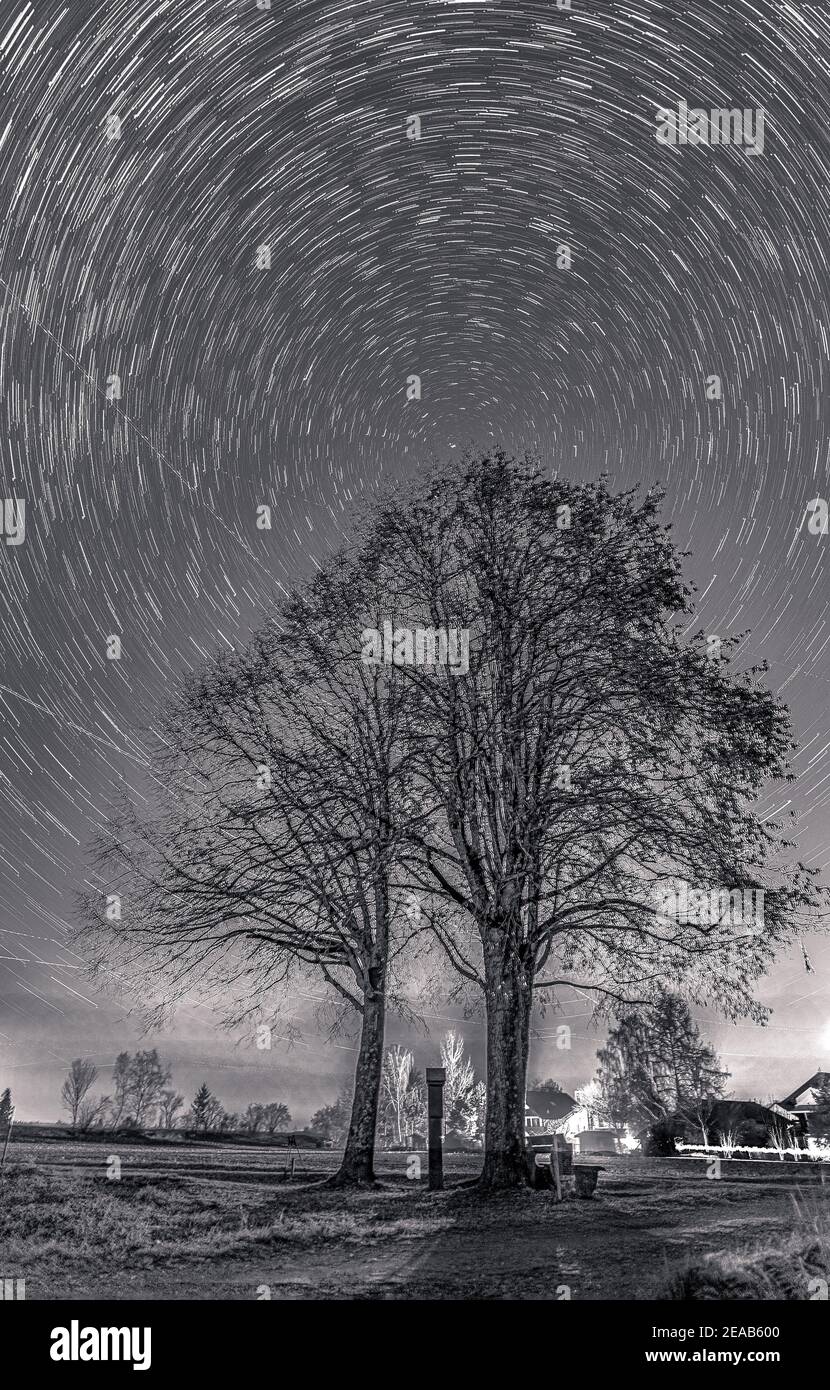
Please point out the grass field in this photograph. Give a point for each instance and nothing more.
(205, 1222)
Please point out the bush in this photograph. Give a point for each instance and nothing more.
(661, 1138)
(767, 1275)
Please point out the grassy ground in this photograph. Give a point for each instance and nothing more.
(208, 1224)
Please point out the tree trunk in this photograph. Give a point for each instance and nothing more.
(358, 1158)
(508, 997)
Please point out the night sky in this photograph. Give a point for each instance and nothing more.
(154, 158)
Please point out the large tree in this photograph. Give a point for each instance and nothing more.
(590, 756)
(655, 1066)
(271, 844)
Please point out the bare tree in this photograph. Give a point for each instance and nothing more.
(122, 1082)
(589, 1098)
(169, 1105)
(92, 1113)
(253, 1119)
(148, 1077)
(273, 844)
(398, 1066)
(80, 1079)
(459, 1083)
(585, 758)
(276, 1116)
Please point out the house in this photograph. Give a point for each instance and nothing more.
(804, 1106)
(739, 1123)
(553, 1112)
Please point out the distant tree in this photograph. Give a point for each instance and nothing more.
(332, 1121)
(6, 1108)
(589, 1097)
(656, 1068)
(139, 1083)
(548, 1087)
(121, 1080)
(253, 1119)
(80, 1079)
(401, 1095)
(169, 1105)
(477, 1113)
(91, 1113)
(276, 1117)
(202, 1113)
(459, 1083)
(148, 1077)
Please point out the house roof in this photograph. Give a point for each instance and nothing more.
(549, 1105)
(806, 1096)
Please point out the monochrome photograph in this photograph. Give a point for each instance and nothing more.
(415, 691)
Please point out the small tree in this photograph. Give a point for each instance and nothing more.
(589, 1097)
(276, 1117)
(121, 1080)
(332, 1121)
(170, 1103)
(80, 1079)
(91, 1112)
(477, 1113)
(6, 1108)
(253, 1119)
(548, 1087)
(459, 1084)
(147, 1079)
(203, 1111)
(396, 1080)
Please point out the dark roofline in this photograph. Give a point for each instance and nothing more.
(791, 1100)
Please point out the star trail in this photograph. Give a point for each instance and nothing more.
(233, 238)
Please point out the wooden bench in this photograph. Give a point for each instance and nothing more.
(542, 1173)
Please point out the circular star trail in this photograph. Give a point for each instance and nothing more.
(231, 237)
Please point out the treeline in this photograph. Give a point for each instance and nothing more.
(143, 1098)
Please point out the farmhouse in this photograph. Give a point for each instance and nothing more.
(549, 1112)
(805, 1105)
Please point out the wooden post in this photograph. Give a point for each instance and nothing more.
(554, 1168)
(436, 1076)
(6, 1145)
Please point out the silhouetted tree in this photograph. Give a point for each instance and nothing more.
(276, 1117)
(204, 1110)
(332, 1121)
(590, 756)
(655, 1067)
(275, 839)
(80, 1079)
(169, 1105)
